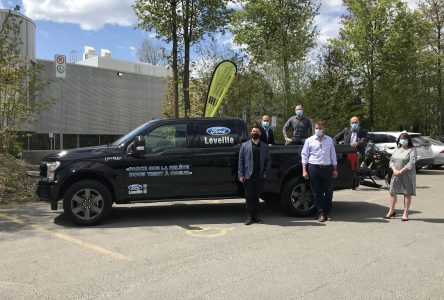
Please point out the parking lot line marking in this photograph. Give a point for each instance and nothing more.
(67, 238)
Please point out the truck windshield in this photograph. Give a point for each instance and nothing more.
(130, 136)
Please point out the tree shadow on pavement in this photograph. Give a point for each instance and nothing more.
(19, 217)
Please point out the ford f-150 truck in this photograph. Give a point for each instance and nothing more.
(172, 160)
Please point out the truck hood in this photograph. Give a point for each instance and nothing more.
(85, 153)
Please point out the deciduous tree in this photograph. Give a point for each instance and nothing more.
(19, 82)
(279, 33)
(188, 20)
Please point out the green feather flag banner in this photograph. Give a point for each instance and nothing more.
(222, 78)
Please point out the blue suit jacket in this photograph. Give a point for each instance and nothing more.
(245, 167)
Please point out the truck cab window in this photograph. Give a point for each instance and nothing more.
(162, 138)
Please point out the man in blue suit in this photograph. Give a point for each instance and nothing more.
(254, 162)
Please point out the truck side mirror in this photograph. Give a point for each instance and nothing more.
(139, 146)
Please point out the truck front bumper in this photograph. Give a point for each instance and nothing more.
(47, 191)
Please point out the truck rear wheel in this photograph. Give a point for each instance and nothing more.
(87, 202)
(297, 199)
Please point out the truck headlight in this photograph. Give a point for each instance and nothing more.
(50, 169)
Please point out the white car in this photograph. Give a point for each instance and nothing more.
(386, 140)
(438, 151)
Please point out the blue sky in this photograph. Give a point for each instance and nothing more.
(63, 26)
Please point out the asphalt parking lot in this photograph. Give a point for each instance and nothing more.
(202, 250)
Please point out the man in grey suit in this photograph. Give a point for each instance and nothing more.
(354, 136)
(254, 162)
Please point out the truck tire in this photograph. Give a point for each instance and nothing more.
(297, 199)
(87, 202)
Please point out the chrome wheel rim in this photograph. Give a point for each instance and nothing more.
(87, 204)
(302, 198)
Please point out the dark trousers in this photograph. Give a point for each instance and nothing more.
(320, 183)
(252, 189)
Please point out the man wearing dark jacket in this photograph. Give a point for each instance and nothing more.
(300, 125)
(267, 135)
(254, 162)
(354, 136)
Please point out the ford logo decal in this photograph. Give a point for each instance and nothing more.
(219, 130)
(135, 187)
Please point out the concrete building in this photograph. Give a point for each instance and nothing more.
(27, 33)
(99, 100)
(93, 105)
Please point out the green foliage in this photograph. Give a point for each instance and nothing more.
(19, 84)
(432, 12)
(386, 66)
(276, 30)
(332, 95)
(278, 33)
(380, 41)
(192, 19)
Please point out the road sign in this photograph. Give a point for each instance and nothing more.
(60, 66)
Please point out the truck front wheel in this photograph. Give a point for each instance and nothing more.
(87, 202)
(296, 198)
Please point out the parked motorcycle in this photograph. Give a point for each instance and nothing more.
(376, 163)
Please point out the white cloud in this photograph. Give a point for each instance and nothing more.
(90, 15)
(1, 4)
(132, 48)
(234, 5)
(328, 21)
(412, 4)
(328, 27)
(227, 40)
(331, 6)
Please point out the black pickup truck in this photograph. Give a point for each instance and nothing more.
(171, 160)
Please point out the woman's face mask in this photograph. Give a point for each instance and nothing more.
(403, 142)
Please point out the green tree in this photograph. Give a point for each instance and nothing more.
(433, 13)
(277, 33)
(332, 94)
(19, 83)
(192, 19)
(380, 39)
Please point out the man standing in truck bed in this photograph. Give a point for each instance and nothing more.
(254, 162)
(301, 126)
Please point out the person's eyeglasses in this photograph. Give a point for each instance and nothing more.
(354, 122)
